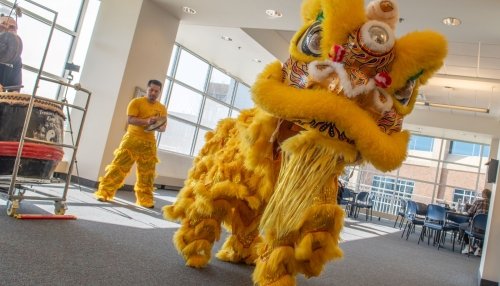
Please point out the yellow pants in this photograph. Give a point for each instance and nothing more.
(131, 150)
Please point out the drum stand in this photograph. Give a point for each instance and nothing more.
(16, 185)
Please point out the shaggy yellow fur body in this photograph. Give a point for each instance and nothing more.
(225, 188)
(270, 176)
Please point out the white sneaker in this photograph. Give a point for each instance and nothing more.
(466, 249)
(477, 252)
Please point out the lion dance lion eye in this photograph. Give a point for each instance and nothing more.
(376, 37)
(404, 94)
(310, 42)
(378, 34)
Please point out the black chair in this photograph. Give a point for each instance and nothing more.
(453, 222)
(477, 229)
(401, 213)
(412, 218)
(363, 201)
(345, 197)
(434, 222)
(421, 209)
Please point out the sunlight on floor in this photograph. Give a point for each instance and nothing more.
(82, 204)
(356, 230)
(122, 211)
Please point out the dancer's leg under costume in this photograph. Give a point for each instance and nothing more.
(130, 151)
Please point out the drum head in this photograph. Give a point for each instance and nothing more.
(156, 125)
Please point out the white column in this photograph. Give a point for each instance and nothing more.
(490, 260)
(131, 44)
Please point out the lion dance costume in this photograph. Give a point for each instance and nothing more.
(270, 176)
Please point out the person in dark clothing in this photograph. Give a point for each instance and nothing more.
(11, 64)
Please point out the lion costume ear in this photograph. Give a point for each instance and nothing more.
(341, 18)
(418, 56)
(338, 18)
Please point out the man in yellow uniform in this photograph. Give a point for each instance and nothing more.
(138, 145)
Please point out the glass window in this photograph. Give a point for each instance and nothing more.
(165, 92)
(212, 113)
(235, 113)
(421, 143)
(188, 93)
(386, 189)
(221, 86)
(429, 179)
(243, 98)
(486, 150)
(192, 71)
(184, 103)
(34, 30)
(200, 140)
(68, 11)
(178, 137)
(464, 148)
(34, 35)
(45, 88)
(83, 44)
(172, 62)
(58, 53)
(464, 196)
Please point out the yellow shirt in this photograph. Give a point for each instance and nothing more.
(142, 108)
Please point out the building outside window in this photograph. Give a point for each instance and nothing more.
(387, 193)
(468, 149)
(421, 143)
(198, 96)
(464, 196)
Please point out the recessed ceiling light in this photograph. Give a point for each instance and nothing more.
(226, 38)
(188, 10)
(257, 60)
(451, 21)
(274, 13)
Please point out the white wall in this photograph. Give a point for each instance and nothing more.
(490, 260)
(173, 169)
(105, 66)
(130, 44)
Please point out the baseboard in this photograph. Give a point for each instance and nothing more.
(77, 180)
(94, 184)
(485, 282)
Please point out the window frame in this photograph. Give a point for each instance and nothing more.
(177, 49)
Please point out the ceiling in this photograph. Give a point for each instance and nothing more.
(470, 76)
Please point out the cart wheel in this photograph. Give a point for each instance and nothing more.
(12, 207)
(60, 208)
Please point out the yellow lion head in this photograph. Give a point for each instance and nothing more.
(350, 78)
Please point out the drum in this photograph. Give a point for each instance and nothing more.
(46, 123)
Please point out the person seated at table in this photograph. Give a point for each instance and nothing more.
(480, 206)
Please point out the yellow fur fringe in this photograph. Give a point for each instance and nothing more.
(279, 269)
(410, 61)
(341, 18)
(309, 162)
